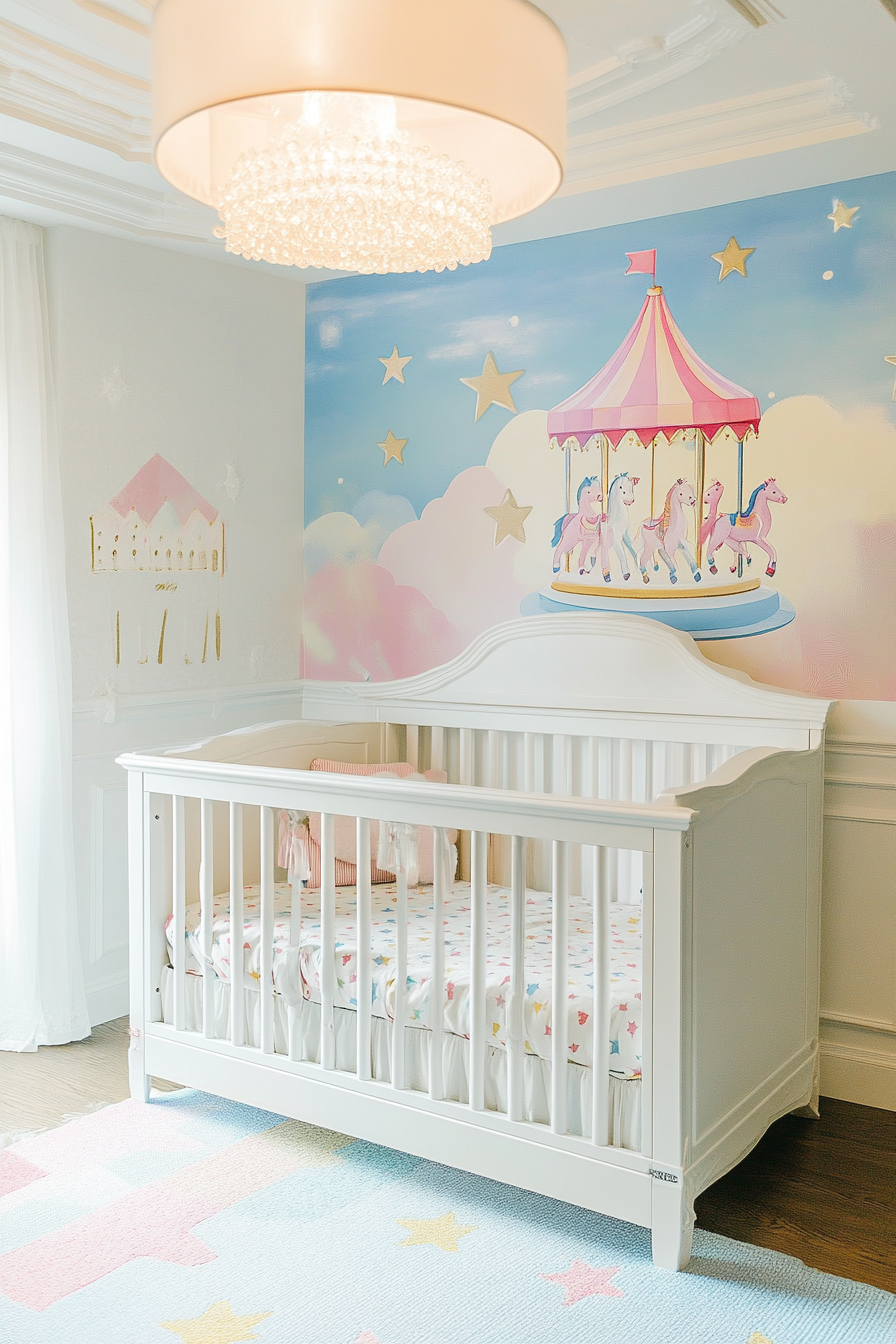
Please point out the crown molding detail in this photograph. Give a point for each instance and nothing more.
(55, 185)
(52, 86)
(810, 113)
(647, 64)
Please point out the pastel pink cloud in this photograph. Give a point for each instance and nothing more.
(449, 554)
(359, 623)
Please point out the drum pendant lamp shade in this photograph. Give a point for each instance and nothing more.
(441, 117)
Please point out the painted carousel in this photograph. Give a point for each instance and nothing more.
(696, 561)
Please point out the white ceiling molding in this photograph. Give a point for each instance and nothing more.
(124, 206)
(120, 15)
(651, 62)
(810, 113)
(756, 12)
(53, 86)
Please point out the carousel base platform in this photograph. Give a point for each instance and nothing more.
(712, 615)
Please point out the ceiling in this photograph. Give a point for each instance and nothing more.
(672, 104)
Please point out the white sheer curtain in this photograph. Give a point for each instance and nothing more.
(41, 984)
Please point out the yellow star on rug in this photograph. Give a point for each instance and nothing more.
(392, 447)
(444, 1232)
(394, 365)
(217, 1325)
(492, 388)
(842, 215)
(756, 1338)
(509, 518)
(732, 258)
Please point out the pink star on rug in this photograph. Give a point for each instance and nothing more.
(580, 1280)
(367, 1337)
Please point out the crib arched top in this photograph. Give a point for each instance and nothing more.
(559, 673)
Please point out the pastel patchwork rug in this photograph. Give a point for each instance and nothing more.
(193, 1219)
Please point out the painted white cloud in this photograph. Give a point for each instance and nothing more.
(355, 536)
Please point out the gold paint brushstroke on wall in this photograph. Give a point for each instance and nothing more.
(218, 636)
(118, 639)
(162, 636)
(205, 640)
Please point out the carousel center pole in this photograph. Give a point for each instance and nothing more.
(701, 475)
(740, 497)
(605, 471)
(566, 448)
(652, 477)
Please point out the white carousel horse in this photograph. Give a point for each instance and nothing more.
(614, 533)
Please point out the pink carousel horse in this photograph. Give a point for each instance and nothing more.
(669, 533)
(711, 499)
(580, 528)
(753, 525)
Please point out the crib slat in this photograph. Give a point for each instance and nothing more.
(237, 985)
(437, 749)
(647, 1009)
(266, 931)
(561, 765)
(528, 781)
(516, 998)
(440, 854)
(600, 1020)
(327, 940)
(478, 926)
(179, 891)
(295, 1013)
(413, 744)
(363, 985)
(206, 913)
(465, 762)
(401, 970)
(559, 978)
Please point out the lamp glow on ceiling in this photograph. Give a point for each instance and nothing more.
(366, 135)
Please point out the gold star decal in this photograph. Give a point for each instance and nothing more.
(756, 1338)
(491, 387)
(509, 518)
(392, 447)
(394, 365)
(732, 258)
(842, 215)
(444, 1232)
(891, 359)
(217, 1325)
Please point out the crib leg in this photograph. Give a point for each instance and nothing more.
(672, 1225)
(138, 1080)
(811, 1109)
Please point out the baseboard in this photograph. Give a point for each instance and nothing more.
(866, 1077)
(107, 999)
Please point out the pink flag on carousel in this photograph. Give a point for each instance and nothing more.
(642, 263)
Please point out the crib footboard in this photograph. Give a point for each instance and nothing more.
(740, 946)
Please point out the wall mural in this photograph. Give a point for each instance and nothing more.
(690, 418)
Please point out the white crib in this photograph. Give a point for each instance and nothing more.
(600, 759)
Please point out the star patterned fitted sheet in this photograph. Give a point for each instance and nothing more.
(297, 968)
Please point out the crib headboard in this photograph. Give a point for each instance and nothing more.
(581, 675)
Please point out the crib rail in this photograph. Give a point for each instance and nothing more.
(595, 829)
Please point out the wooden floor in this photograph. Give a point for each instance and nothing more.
(821, 1190)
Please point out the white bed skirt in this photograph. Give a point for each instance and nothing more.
(625, 1094)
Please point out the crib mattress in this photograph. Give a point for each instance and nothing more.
(297, 963)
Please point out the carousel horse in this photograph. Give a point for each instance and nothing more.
(614, 533)
(583, 526)
(711, 500)
(669, 533)
(753, 525)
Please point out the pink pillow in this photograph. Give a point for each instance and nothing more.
(345, 830)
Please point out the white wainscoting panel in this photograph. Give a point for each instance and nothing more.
(103, 729)
(858, 984)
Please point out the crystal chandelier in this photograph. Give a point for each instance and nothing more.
(364, 135)
(344, 188)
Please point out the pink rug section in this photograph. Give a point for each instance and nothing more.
(16, 1172)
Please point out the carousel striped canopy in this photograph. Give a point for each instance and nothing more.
(654, 384)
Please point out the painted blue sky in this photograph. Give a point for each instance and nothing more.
(783, 330)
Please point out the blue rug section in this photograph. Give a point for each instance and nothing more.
(358, 1244)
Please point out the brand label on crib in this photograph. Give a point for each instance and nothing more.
(662, 1176)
